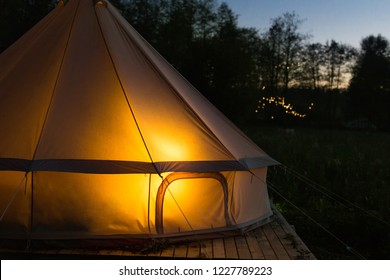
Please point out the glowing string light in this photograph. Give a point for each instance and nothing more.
(280, 101)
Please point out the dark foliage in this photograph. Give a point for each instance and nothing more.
(340, 180)
(370, 85)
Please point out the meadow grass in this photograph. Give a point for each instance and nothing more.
(344, 186)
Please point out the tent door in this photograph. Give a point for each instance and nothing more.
(218, 179)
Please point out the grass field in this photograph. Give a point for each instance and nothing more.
(339, 178)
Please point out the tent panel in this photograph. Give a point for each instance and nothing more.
(89, 204)
(250, 199)
(27, 82)
(89, 117)
(171, 130)
(15, 204)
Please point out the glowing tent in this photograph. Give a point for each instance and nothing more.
(101, 137)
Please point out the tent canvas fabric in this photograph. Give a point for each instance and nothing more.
(101, 137)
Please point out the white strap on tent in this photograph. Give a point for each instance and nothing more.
(13, 197)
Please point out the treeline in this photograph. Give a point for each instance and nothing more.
(236, 66)
(239, 67)
(278, 75)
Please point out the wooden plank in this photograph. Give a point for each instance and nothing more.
(230, 248)
(242, 248)
(180, 251)
(116, 253)
(206, 249)
(265, 246)
(45, 252)
(287, 240)
(90, 252)
(301, 248)
(128, 254)
(275, 243)
(193, 250)
(79, 252)
(155, 253)
(168, 252)
(254, 247)
(65, 252)
(103, 252)
(218, 249)
(276, 240)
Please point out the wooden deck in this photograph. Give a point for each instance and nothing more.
(273, 241)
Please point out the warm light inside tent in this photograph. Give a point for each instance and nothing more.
(15, 195)
(96, 203)
(167, 146)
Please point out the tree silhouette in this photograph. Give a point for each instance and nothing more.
(370, 85)
(283, 43)
(312, 60)
(336, 56)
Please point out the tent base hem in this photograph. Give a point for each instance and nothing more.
(117, 239)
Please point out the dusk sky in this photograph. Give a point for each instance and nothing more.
(346, 21)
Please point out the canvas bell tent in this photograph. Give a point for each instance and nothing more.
(101, 137)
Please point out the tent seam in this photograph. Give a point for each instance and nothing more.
(125, 95)
(44, 125)
(56, 82)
